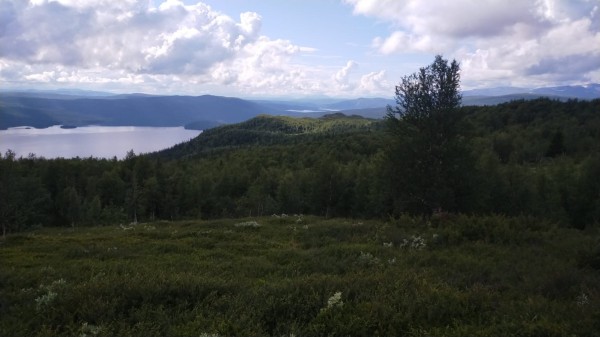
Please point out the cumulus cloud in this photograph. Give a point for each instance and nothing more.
(342, 77)
(496, 41)
(172, 38)
(374, 82)
(134, 42)
(266, 66)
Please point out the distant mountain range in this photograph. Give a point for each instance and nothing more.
(78, 107)
(132, 110)
(590, 91)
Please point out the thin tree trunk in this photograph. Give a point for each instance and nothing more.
(330, 197)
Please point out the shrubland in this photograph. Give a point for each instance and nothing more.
(303, 276)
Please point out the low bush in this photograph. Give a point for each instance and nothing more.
(475, 276)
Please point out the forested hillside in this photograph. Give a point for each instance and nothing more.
(18, 109)
(538, 158)
(269, 130)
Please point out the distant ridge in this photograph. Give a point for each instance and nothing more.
(126, 110)
(494, 100)
(42, 109)
(588, 91)
(361, 103)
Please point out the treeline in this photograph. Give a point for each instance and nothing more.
(539, 158)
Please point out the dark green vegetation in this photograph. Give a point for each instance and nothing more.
(303, 276)
(428, 162)
(506, 241)
(539, 158)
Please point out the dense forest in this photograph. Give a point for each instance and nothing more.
(538, 158)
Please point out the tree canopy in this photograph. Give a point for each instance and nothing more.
(505, 162)
(429, 98)
(427, 156)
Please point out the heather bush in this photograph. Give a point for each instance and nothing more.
(475, 276)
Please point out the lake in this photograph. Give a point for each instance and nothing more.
(95, 141)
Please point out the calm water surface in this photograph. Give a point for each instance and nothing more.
(95, 141)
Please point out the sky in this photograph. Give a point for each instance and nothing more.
(293, 48)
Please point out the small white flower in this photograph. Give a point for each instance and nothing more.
(59, 282)
(252, 224)
(89, 330)
(335, 301)
(45, 300)
(367, 259)
(582, 300)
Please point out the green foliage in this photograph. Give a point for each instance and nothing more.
(337, 166)
(303, 276)
(23, 200)
(269, 130)
(429, 163)
(519, 180)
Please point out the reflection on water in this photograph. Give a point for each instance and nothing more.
(94, 141)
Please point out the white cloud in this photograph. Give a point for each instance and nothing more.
(400, 41)
(171, 39)
(459, 18)
(371, 84)
(342, 77)
(374, 82)
(499, 42)
(174, 47)
(171, 46)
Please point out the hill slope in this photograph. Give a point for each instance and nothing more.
(268, 130)
(44, 109)
(129, 110)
